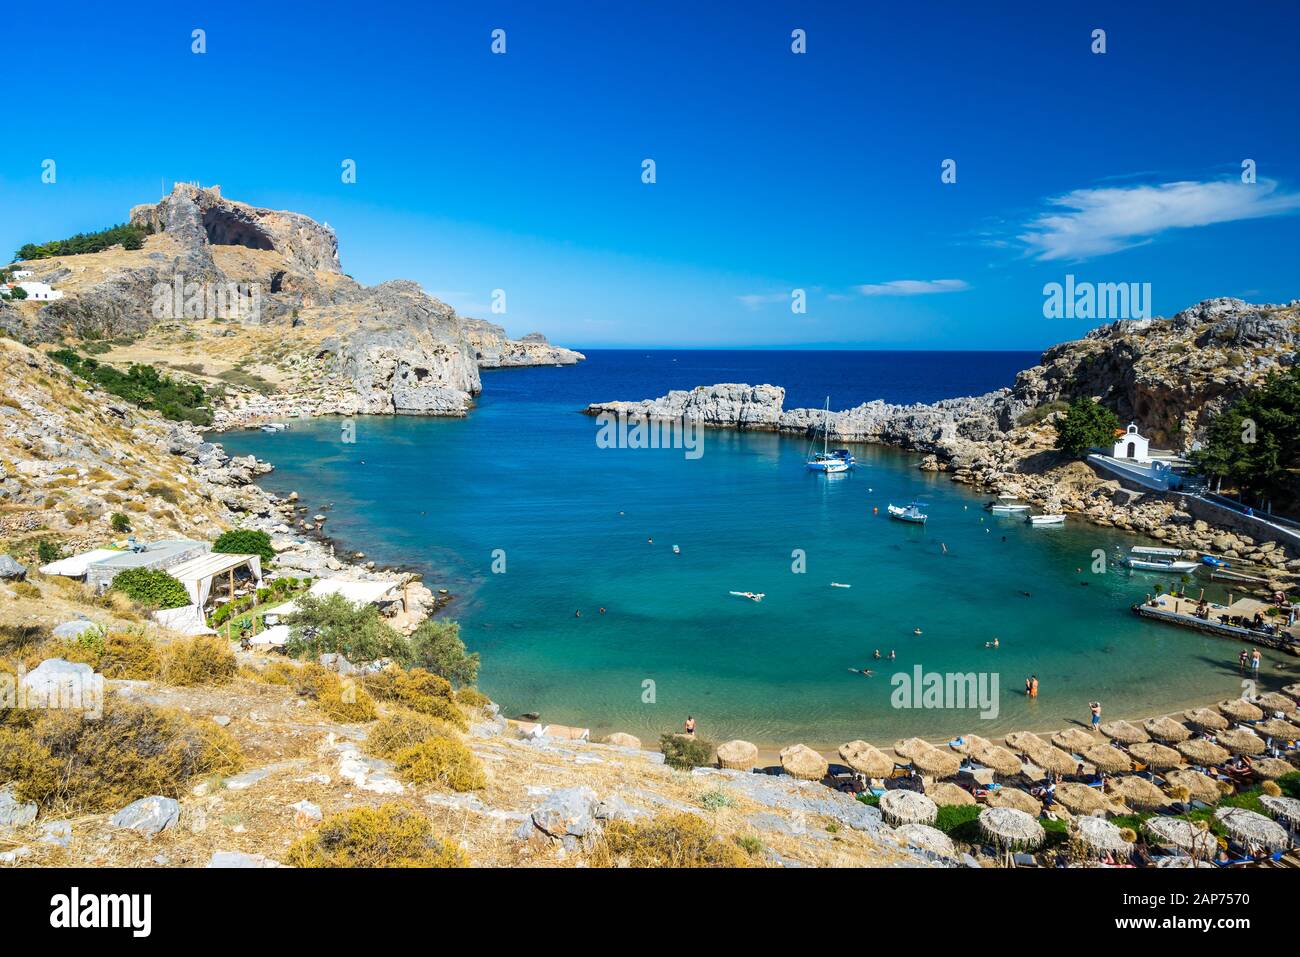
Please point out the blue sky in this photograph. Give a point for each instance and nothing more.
(775, 171)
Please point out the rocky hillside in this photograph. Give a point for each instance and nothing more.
(256, 299)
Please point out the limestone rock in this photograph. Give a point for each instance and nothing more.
(148, 816)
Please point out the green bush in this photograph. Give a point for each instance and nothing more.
(151, 587)
(1290, 784)
(960, 822)
(436, 646)
(142, 385)
(48, 552)
(119, 522)
(684, 752)
(1087, 424)
(333, 625)
(245, 541)
(385, 836)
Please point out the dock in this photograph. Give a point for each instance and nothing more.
(1225, 621)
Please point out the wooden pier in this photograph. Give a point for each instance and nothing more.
(1181, 611)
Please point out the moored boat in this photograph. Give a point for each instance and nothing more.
(1006, 505)
(908, 513)
(826, 461)
(1149, 558)
(1049, 519)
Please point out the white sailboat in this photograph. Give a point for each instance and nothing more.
(826, 461)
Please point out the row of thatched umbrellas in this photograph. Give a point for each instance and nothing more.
(1149, 744)
(1009, 820)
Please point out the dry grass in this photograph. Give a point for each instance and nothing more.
(673, 840)
(386, 836)
(204, 659)
(442, 761)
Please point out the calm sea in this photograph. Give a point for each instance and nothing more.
(580, 528)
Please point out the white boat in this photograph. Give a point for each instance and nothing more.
(751, 595)
(1147, 558)
(826, 461)
(1006, 505)
(1141, 565)
(908, 513)
(1046, 519)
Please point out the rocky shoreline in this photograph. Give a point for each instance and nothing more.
(1169, 375)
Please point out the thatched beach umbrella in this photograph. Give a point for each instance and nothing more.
(1053, 759)
(1015, 798)
(907, 807)
(1241, 741)
(801, 761)
(1166, 729)
(738, 755)
(1003, 762)
(1285, 810)
(1200, 787)
(1074, 739)
(1271, 768)
(926, 838)
(1099, 835)
(1207, 719)
(1239, 709)
(1253, 829)
(865, 759)
(1277, 728)
(1292, 690)
(936, 763)
(1024, 741)
(1175, 861)
(1272, 701)
(907, 747)
(1081, 799)
(1203, 752)
(945, 794)
(1011, 829)
(1106, 757)
(1136, 792)
(1156, 756)
(1183, 835)
(1125, 732)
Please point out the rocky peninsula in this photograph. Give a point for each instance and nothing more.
(1169, 375)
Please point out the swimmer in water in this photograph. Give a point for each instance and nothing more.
(602, 610)
(892, 656)
(877, 654)
(991, 644)
(578, 613)
(916, 631)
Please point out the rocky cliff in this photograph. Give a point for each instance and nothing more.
(494, 349)
(256, 299)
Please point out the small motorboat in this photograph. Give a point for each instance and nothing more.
(752, 596)
(1050, 519)
(908, 513)
(1145, 558)
(840, 585)
(1214, 562)
(1006, 505)
(677, 549)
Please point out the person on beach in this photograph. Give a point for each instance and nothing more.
(690, 725)
(1095, 708)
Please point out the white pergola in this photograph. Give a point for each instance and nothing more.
(198, 574)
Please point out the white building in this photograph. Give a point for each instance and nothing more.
(21, 274)
(39, 291)
(1132, 446)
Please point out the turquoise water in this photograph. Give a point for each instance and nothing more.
(523, 475)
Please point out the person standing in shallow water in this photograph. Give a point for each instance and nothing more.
(690, 725)
(1095, 708)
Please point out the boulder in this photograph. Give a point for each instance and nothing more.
(15, 813)
(11, 570)
(148, 816)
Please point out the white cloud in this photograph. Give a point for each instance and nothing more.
(755, 300)
(1093, 222)
(913, 287)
